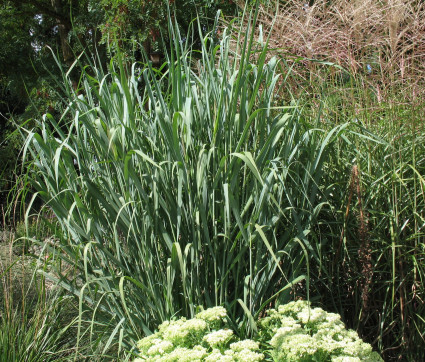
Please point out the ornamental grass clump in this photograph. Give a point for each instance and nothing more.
(188, 185)
(203, 338)
(298, 332)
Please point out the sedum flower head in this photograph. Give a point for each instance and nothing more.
(175, 333)
(195, 325)
(183, 331)
(213, 316)
(309, 315)
(246, 344)
(218, 338)
(244, 355)
(180, 354)
(216, 356)
(247, 355)
(282, 334)
(292, 308)
(296, 346)
(159, 347)
(144, 344)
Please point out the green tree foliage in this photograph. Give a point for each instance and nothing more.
(15, 68)
(138, 23)
(69, 27)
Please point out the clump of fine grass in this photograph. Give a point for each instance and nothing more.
(35, 321)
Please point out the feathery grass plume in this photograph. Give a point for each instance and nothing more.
(384, 39)
(364, 251)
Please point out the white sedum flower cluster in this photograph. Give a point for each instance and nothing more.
(299, 332)
(218, 338)
(293, 332)
(203, 338)
(182, 332)
(212, 314)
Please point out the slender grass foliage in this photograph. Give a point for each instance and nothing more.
(372, 247)
(35, 323)
(378, 255)
(182, 186)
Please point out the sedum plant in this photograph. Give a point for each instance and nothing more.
(203, 338)
(293, 332)
(298, 332)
